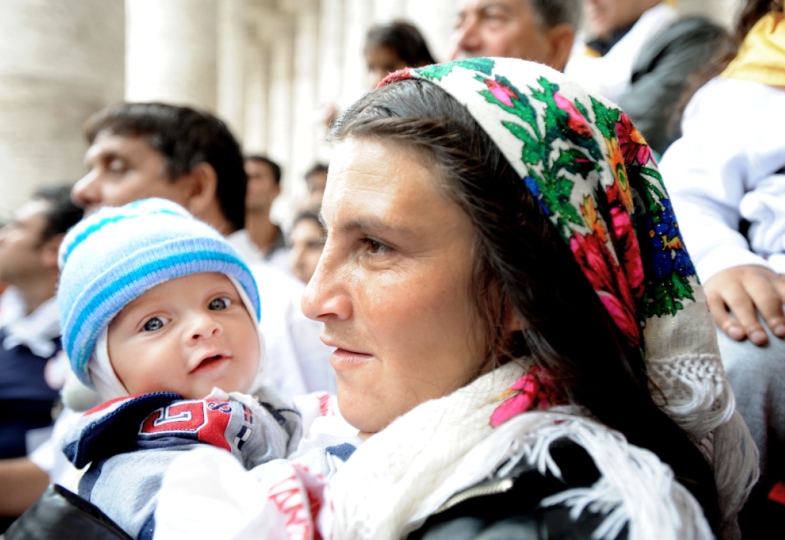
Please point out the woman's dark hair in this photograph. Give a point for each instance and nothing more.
(520, 262)
(750, 14)
(404, 39)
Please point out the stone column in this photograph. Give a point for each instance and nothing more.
(257, 118)
(234, 45)
(59, 63)
(171, 51)
(357, 20)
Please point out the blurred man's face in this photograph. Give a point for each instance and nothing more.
(262, 188)
(21, 244)
(499, 28)
(605, 16)
(316, 184)
(121, 170)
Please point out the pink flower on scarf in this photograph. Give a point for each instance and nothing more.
(609, 280)
(500, 91)
(577, 122)
(535, 390)
(400, 75)
(627, 249)
(633, 145)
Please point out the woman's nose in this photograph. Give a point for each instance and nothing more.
(327, 294)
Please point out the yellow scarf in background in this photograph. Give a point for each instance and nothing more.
(761, 57)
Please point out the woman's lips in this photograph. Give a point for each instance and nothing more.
(342, 359)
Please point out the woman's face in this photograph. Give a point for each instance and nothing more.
(393, 284)
(381, 61)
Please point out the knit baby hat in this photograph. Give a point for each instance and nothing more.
(116, 254)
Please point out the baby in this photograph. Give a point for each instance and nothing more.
(160, 316)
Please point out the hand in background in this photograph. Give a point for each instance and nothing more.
(744, 291)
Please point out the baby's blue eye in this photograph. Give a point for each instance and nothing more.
(220, 303)
(155, 323)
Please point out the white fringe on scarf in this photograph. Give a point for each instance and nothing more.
(402, 475)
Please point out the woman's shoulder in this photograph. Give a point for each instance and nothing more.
(510, 505)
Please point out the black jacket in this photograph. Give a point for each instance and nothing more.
(508, 506)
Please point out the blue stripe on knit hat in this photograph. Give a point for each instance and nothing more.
(110, 259)
(95, 227)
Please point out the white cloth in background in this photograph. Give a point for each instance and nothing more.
(35, 331)
(728, 165)
(280, 258)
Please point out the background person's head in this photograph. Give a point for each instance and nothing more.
(152, 299)
(315, 182)
(603, 17)
(393, 46)
(538, 30)
(307, 243)
(264, 183)
(443, 260)
(30, 242)
(140, 150)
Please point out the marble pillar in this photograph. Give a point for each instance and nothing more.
(171, 51)
(59, 63)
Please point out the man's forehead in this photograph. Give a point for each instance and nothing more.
(477, 5)
(108, 143)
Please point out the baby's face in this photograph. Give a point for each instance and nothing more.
(186, 335)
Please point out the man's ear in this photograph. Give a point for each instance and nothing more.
(49, 251)
(200, 186)
(561, 39)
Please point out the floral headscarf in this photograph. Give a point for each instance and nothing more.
(594, 176)
(597, 181)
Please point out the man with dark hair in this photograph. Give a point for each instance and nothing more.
(261, 239)
(154, 149)
(29, 324)
(539, 30)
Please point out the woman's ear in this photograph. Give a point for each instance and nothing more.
(512, 321)
(201, 185)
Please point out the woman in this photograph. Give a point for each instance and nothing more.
(393, 46)
(520, 336)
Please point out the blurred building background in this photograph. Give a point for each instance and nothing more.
(270, 68)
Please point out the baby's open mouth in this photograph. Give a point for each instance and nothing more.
(208, 362)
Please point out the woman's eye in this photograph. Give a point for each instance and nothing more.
(220, 303)
(155, 323)
(374, 246)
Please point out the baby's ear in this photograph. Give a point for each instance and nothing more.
(201, 185)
